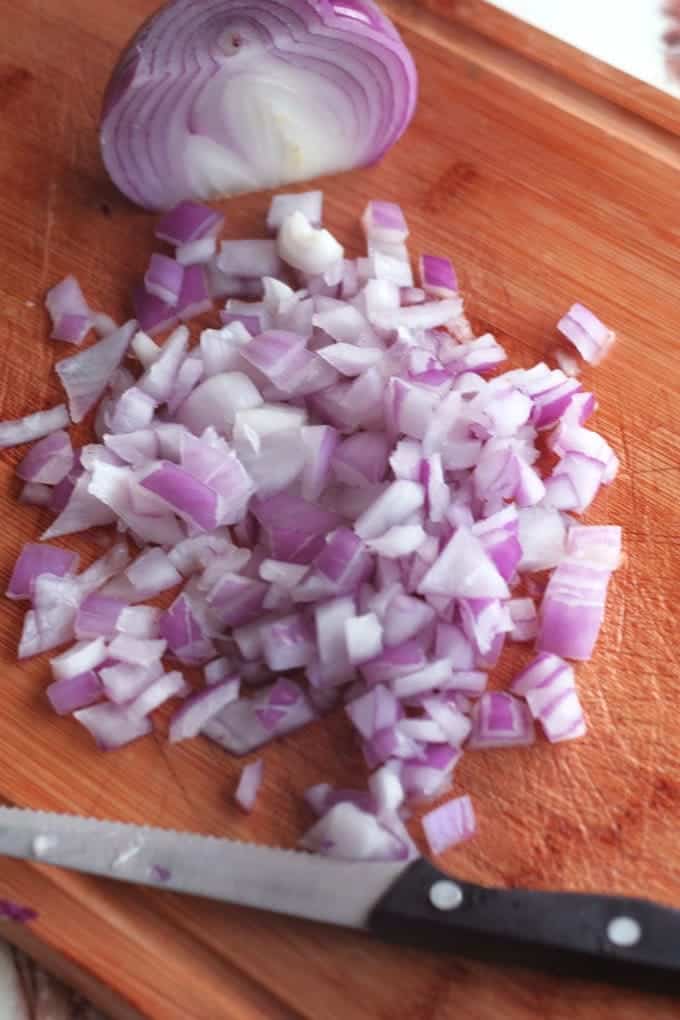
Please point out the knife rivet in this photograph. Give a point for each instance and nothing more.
(446, 895)
(624, 932)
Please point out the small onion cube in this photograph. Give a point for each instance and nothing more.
(449, 824)
(194, 299)
(75, 692)
(85, 376)
(310, 203)
(69, 311)
(500, 720)
(249, 785)
(137, 651)
(196, 252)
(124, 681)
(111, 725)
(82, 658)
(384, 221)
(49, 461)
(524, 619)
(591, 338)
(187, 222)
(438, 277)
(572, 609)
(36, 560)
(347, 833)
(249, 258)
(169, 685)
(164, 279)
(33, 426)
(201, 707)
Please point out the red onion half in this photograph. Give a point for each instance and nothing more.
(228, 96)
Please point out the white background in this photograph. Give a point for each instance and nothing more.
(624, 33)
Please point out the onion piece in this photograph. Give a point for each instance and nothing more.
(36, 560)
(500, 720)
(196, 253)
(75, 692)
(347, 833)
(239, 727)
(33, 426)
(310, 203)
(49, 461)
(82, 658)
(164, 279)
(111, 726)
(438, 276)
(249, 785)
(364, 636)
(449, 824)
(124, 681)
(70, 314)
(136, 651)
(98, 616)
(189, 222)
(85, 376)
(201, 707)
(591, 338)
(572, 609)
(165, 687)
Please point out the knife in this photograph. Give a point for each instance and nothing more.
(630, 941)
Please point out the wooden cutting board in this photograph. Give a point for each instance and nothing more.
(542, 194)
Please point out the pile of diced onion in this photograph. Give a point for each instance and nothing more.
(346, 501)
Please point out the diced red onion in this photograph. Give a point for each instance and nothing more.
(189, 222)
(249, 785)
(449, 824)
(524, 619)
(384, 222)
(572, 609)
(201, 707)
(111, 725)
(136, 651)
(85, 376)
(591, 338)
(36, 560)
(33, 426)
(81, 658)
(49, 461)
(34, 494)
(75, 692)
(125, 681)
(249, 258)
(139, 621)
(347, 833)
(69, 311)
(499, 720)
(164, 279)
(310, 203)
(167, 686)
(438, 277)
(196, 253)
(183, 629)
(98, 616)
(239, 727)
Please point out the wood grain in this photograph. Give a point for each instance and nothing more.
(542, 194)
(596, 75)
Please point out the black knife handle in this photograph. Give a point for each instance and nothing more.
(612, 938)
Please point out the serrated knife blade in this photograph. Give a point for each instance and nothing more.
(615, 938)
(267, 878)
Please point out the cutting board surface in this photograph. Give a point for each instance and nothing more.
(542, 195)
